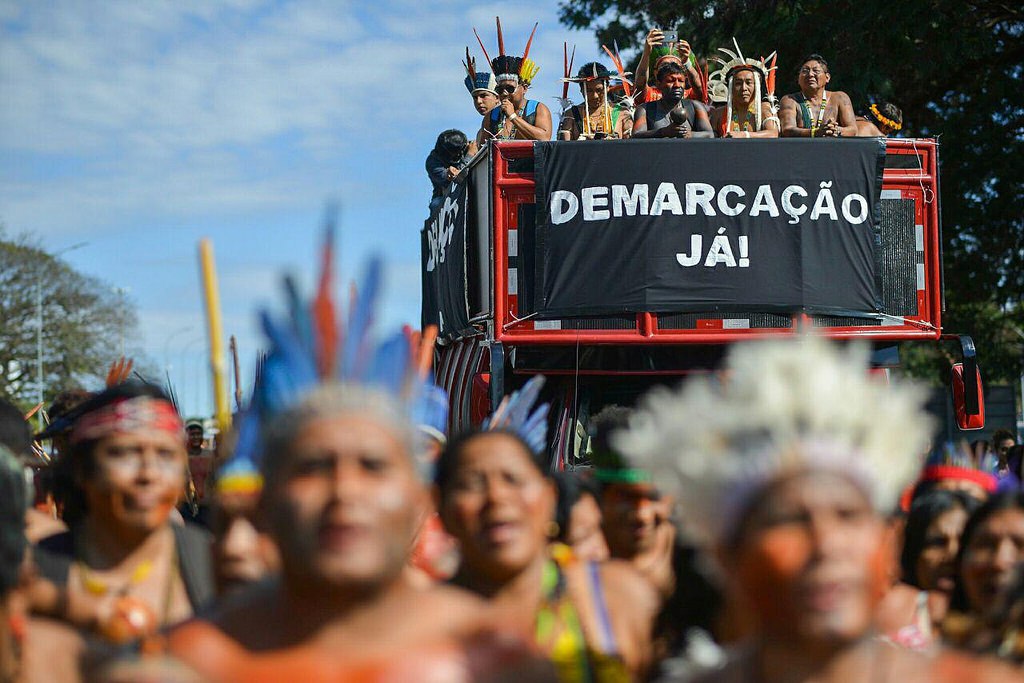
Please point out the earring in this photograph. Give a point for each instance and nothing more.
(553, 529)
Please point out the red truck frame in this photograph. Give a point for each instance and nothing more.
(476, 368)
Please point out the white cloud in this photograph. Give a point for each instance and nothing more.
(140, 125)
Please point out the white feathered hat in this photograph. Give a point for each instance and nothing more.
(780, 407)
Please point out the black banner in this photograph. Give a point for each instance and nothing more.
(443, 254)
(691, 225)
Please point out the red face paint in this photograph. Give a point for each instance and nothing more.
(813, 559)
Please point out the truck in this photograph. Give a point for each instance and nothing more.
(611, 267)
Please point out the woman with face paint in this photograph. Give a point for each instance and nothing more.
(123, 569)
(593, 621)
(789, 470)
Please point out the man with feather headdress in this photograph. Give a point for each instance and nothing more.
(331, 432)
(744, 88)
(515, 117)
(596, 117)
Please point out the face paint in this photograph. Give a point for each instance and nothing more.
(775, 560)
(813, 558)
(347, 505)
(137, 480)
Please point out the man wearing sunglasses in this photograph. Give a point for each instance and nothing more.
(515, 117)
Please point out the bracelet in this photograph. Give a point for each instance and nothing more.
(513, 117)
(747, 132)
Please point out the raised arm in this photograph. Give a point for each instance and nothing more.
(683, 48)
(654, 37)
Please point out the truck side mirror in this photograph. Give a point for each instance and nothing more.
(968, 390)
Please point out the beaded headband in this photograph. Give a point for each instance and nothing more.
(128, 415)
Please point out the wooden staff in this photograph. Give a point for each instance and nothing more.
(211, 297)
(233, 347)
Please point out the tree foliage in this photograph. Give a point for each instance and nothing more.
(83, 321)
(956, 71)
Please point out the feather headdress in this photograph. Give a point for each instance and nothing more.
(564, 102)
(720, 81)
(508, 67)
(783, 407)
(119, 372)
(660, 55)
(477, 81)
(626, 84)
(317, 364)
(516, 414)
(956, 462)
(240, 473)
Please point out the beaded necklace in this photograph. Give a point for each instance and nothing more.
(513, 131)
(98, 587)
(744, 125)
(815, 122)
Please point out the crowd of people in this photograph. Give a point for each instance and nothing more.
(776, 521)
(671, 95)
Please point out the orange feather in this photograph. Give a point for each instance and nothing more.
(526, 52)
(325, 324)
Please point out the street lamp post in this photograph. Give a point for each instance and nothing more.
(122, 293)
(39, 330)
(39, 350)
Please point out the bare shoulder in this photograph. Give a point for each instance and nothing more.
(52, 652)
(897, 608)
(454, 611)
(789, 100)
(841, 97)
(451, 597)
(957, 667)
(239, 615)
(628, 589)
(946, 666)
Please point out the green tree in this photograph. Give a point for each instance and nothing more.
(954, 68)
(83, 323)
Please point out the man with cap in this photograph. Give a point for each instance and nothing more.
(635, 513)
(200, 461)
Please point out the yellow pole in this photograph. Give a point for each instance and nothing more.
(211, 297)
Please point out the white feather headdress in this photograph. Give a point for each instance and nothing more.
(720, 80)
(782, 407)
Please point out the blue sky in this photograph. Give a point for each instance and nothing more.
(140, 127)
